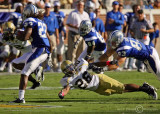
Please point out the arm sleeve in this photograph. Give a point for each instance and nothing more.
(120, 21)
(30, 22)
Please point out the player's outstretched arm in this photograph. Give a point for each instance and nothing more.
(64, 92)
(106, 55)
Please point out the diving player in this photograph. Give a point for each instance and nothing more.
(99, 83)
(96, 45)
(41, 45)
(129, 47)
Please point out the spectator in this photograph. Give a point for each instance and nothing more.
(157, 4)
(73, 21)
(141, 4)
(99, 25)
(66, 4)
(149, 4)
(60, 48)
(155, 35)
(127, 4)
(140, 30)
(52, 29)
(114, 19)
(130, 63)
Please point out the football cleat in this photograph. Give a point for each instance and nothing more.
(18, 101)
(151, 91)
(35, 85)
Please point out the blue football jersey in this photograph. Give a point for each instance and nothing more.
(16, 18)
(38, 32)
(133, 48)
(92, 16)
(60, 17)
(93, 37)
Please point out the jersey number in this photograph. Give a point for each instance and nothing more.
(42, 30)
(83, 83)
(136, 45)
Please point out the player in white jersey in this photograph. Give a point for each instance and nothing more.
(99, 83)
(9, 38)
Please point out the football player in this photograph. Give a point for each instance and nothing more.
(9, 37)
(99, 83)
(41, 45)
(96, 45)
(130, 47)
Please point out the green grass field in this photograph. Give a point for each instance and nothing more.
(45, 98)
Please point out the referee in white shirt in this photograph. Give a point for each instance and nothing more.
(73, 21)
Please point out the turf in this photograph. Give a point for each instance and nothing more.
(45, 98)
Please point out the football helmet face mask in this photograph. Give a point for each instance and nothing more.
(115, 38)
(85, 27)
(67, 68)
(29, 11)
(8, 31)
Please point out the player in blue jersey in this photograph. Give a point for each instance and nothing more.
(41, 45)
(89, 8)
(16, 17)
(96, 45)
(62, 33)
(130, 47)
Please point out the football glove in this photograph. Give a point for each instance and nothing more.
(61, 95)
(114, 62)
(95, 68)
(50, 60)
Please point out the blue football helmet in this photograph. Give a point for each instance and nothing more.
(85, 27)
(29, 11)
(115, 38)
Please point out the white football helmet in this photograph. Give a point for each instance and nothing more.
(85, 27)
(89, 6)
(29, 11)
(115, 38)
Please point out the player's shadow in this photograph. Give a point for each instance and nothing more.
(94, 100)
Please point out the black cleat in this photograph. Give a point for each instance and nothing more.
(35, 85)
(151, 91)
(18, 101)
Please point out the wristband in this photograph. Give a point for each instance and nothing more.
(108, 63)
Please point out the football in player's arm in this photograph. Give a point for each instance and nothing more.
(99, 83)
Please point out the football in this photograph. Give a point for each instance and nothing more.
(20, 34)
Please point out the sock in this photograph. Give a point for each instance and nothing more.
(59, 64)
(21, 94)
(144, 89)
(30, 78)
(10, 67)
(3, 65)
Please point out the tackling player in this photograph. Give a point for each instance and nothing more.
(129, 47)
(99, 83)
(41, 45)
(96, 45)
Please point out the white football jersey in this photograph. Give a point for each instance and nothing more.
(23, 46)
(83, 79)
